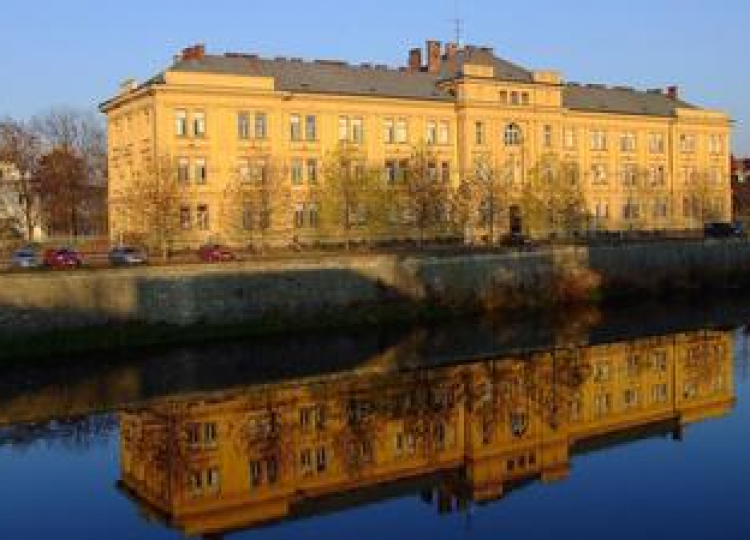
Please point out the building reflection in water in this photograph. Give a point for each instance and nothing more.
(457, 434)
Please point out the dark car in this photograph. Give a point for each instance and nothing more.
(723, 230)
(127, 256)
(62, 258)
(27, 257)
(215, 253)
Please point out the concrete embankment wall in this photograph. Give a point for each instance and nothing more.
(287, 290)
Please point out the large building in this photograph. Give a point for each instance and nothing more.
(250, 142)
(215, 462)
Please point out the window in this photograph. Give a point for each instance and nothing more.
(659, 361)
(295, 128)
(630, 210)
(514, 98)
(443, 133)
(661, 209)
(248, 217)
(259, 170)
(569, 138)
(305, 461)
(503, 97)
(358, 131)
(656, 143)
(244, 170)
(243, 125)
(629, 175)
(431, 133)
(687, 142)
(657, 175)
(715, 143)
(525, 98)
(310, 128)
(445, 172)
(199, 124)
(601, 210)
(628, 142)
(402, 131)
(201, 217)
(389, 133)
(547, 136)
(601, 372)
(296, 171)
(513, 135)
(256, 473)
(689, 175)
(714, 176)
(479, 133)
(597, 139)
(602, 404)
(598, 174)
(432, 171)
(185, 218)
(313, 214)
(183, 170)
(391, 172)
(181, 128)
(659, 393)
(201, 173)
(321, 460)
(260, 125)
(631, 398)
(312, 171)
(343, 128)
(299, 215)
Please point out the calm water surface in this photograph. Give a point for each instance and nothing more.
(627, 425)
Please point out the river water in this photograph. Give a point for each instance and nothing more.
(623, 424)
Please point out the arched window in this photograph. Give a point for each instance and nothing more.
(513, 135)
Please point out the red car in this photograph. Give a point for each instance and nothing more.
(215, 253)
(62, 258)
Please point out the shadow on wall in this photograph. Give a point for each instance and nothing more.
(345, 288)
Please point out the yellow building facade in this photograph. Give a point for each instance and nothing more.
(248, 140)
(224, 461)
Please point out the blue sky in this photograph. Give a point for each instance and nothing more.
(76, 52)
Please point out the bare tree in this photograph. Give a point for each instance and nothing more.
(81, 136)
(551, 199)
(425, 193)
(255, 201)
(351, 196)
(148, 208)
(482, 199)
(21, 149)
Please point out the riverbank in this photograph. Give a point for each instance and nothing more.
(73, 312)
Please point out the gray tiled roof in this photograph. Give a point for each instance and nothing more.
(595, 98)
(504, 70)
(325, 76)
(335, 77)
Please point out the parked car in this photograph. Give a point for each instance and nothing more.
(127, 256)
(26, 257)
(723, 230)
(62, 258)
(215, 253)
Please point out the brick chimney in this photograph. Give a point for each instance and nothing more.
(196, 52)
(673, 92)
(434, 62)
(415, 59)
(450, 51)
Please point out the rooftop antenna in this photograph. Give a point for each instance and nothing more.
(457, 22)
